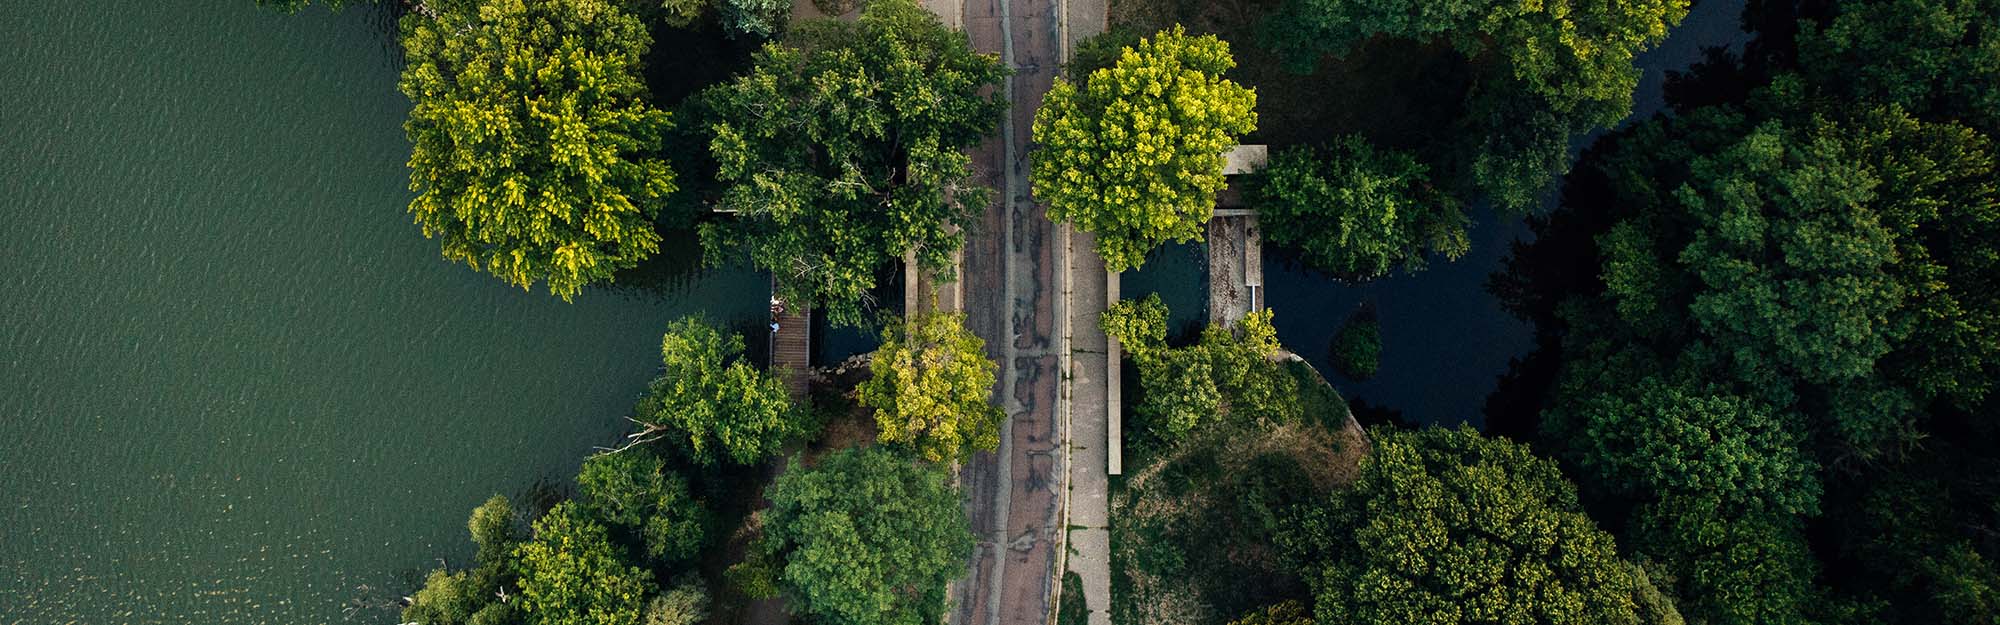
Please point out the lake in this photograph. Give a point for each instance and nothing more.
(237, 385)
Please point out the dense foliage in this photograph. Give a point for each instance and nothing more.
(532, 139)
(571, 574)
(1231, 373)
(633, 492)
(709, 398)
(757, 18)
(866, 538)
(931, 387)
(1134, 153)
(467, 596)
(1447, 527)
(844, 147)
(1355, 211)
(1773, 321)
(1550, 70)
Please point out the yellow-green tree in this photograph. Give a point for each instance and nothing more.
(931, 388)
(532, 143)
(710, 400)
(571, 573)
(1135, 153)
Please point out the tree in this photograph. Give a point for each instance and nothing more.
(1788, 308)
(708, 397)
(1819, 254)
(931, 386)
(1648, 439)
(1134, 153)
(571, 574)
(1553, 69)
(757, 18)
(1938, 60)
(1231, 373)
(633, 492)
(469, 596)
(1354, 211)
(844, 147)
(1356, 351)
(1448, 526)
(532, 139)
(1736, 566)
(866, 538)
(686, 604)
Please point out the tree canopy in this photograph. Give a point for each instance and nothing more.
(1229, 374)
(844, 147)
(532, 140)
(1448, 526)
(866, 538)
(931, 387)
(1354, 211)
(468, 596)
(1553, 69)
(1134, 153)
(709, 398)
(1783, 322)
(571, 574)
(632, 491)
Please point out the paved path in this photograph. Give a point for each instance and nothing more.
(1019, 290)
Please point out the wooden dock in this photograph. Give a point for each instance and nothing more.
(791, 350)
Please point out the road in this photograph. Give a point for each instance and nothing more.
(1018, 277)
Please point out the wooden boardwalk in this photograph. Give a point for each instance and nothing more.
(791, 350)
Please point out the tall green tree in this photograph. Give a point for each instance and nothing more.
(931, 386)
(1549, 70)
(1448, 526)
(533, 143)
(1938, 60)
(633, 492)
(1355, 211)
(1134, 153)
(867, 538)
(571, 574)
(844, 147)
(708, 398)
(756, 18)
(1828, 255)
(470, 596)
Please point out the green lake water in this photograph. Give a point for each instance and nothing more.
(236, 384)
